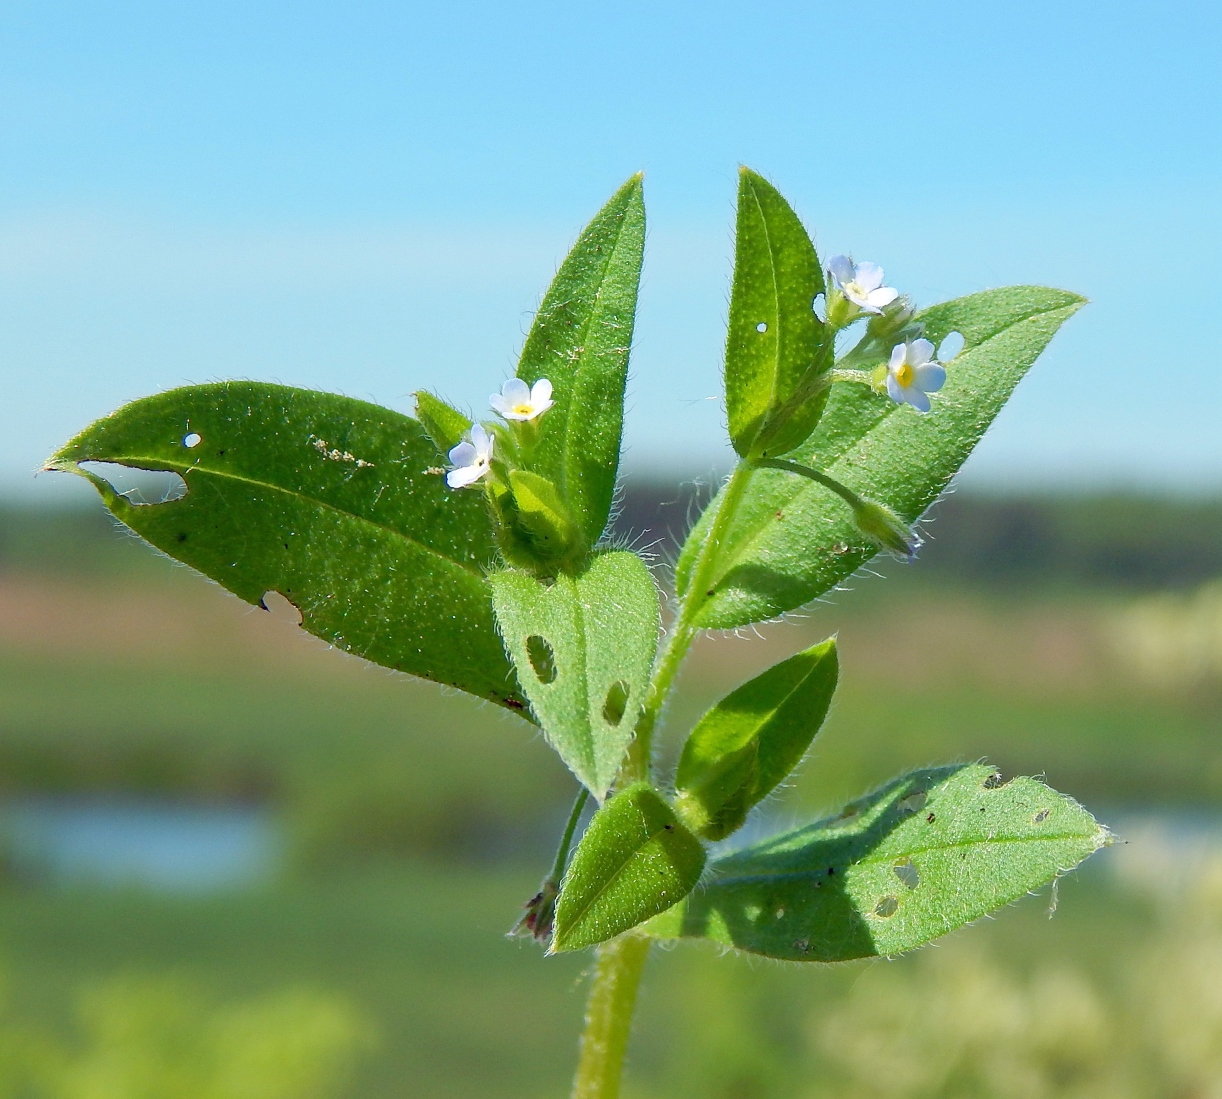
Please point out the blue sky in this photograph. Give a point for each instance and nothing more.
(371, 197)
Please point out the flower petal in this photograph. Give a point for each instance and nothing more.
(930, 377)
(541, 393)
(922, 352)
(894, 390)
(465, 475)
(869, 275)
(462, 455)
(897, 355)
(515, 391)
(841, 268)
(483, 442)
(882, 297)
(916, 398)
(502, 406)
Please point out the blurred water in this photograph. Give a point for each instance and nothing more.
(157, 844)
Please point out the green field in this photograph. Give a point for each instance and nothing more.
(418, 822)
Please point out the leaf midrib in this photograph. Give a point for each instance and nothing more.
(776, 297)
(619, 873)
(569, 434)
(163, 465)
(876, 860)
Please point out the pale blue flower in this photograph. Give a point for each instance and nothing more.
(912, 374)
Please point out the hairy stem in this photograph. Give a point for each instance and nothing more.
(638, 764)
(620, 961)
(609, 1017)
(566, 841)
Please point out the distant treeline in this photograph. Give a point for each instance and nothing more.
(1098, 540)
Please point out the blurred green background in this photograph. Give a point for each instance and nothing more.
(240, 866)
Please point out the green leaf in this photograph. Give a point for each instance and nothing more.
(584, 648)
(635, 860)
(752, 739)
(792, 540)
(580, 342)
(326, 500)
(776, 347)
(442, 423)
(928, 853)
(542, 515)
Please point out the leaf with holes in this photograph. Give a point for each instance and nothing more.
(792, 539)
(583, 647)
(747, 744)
(635, 860)
(326, 500)
(927, 853)
(776, 347)
(580, 342)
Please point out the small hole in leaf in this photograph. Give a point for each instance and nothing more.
(888, 906)
(907, 873)
(762, 326)
(994, 780)
(1042, 816)
(819, 305)
(192, 440)
(616, 702)
(914, 802)
(950, 346)
(542, 658)
(281, 608)
(140, 486)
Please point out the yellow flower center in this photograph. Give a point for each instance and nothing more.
(855, 290)
(904, 375)
(524, 409)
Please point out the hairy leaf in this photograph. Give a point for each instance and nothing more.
(792, 539)
(326, 500)
(928, 853)
(580, 341)
(635, 860)
(583, 647)
(776, 347)
(442, 423)
(752, 739)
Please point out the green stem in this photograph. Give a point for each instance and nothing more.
(620, 961)
(566, 841)
(638, 764)
(843, 491)
(604, 1041)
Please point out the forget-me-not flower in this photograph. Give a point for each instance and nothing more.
(912, 374)
(471, 459)
(862, 284)
(519, 401)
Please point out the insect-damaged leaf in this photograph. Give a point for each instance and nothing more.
(580, 342)
(776, 347)
(583, 647)
(327, 501)
(792, 539)
(752, 739)
(926, 854)
(634, 861)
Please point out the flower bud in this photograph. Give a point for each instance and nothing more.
(886, 528)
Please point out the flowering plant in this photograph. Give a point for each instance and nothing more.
(474, 554)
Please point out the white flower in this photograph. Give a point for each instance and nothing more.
(518, 401)
(862, 284)
(912, 374)
(470, 459)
